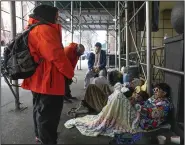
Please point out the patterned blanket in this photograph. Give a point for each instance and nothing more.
(118, 116)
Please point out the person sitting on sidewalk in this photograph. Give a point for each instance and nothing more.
(96, 96)
(96, 64)
(157, 108)
(73, 52)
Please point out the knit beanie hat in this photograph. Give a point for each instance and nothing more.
(46, 12)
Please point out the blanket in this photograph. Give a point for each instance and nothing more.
(118, 116)
(96, 96)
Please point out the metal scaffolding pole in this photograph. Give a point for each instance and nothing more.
(72, 21)
(116, 34)
(134, 14)
(80, 20)
(137, 51)
(22, 14)
(36, 3)
(55, 3)
(108, 44)
(106, 10)
(126, 33)
(119, 35)
(13, 34)
(148, 44)
(107, 39)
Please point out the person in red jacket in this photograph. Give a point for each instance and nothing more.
(73, 52)
(48, 82)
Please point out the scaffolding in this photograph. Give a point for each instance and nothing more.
(14, 17)
(114, 16)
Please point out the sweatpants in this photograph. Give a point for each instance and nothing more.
(46, 116)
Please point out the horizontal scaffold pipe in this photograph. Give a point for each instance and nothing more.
(90, 24)
(155, 48)
(161, 68)
(166, 69)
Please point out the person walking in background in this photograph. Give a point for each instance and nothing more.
(73, 53)
(96, 64)
(48, 82)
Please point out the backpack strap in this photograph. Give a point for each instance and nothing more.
(36, 24)
(33, 26)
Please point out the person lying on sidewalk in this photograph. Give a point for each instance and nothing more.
(73, 52)
(120, 116)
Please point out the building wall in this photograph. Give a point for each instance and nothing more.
(165, 29)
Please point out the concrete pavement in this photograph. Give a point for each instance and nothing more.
(17, 127)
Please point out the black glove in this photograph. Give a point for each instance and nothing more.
(68, 81)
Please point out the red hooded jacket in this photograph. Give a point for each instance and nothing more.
(44, 42)
(71, 53)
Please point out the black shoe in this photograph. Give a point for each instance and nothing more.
(70, 97)
(66, 99)
(73, 98)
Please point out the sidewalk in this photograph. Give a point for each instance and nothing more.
(17, 127)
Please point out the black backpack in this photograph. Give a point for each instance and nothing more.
(18, 62)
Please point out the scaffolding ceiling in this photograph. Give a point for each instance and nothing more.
(95, 15)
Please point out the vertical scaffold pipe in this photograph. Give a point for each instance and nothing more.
(126, 33)
(148, 44)
(116, 35)
(13, 34)
(80, 17)
(72, 21)
(119, 36)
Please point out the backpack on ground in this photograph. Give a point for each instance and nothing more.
(18, 62)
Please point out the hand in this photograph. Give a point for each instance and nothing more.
(70, 81)
(93, 69)
(97, 70)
